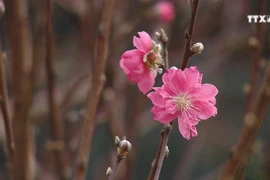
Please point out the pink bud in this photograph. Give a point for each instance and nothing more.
(166, 11)
(2, 8)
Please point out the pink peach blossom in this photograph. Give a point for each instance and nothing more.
(183, 96)
(141, 64)
(166, 11)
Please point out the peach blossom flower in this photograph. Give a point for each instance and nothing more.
(166, 11)
(141, 64)
(183, 96)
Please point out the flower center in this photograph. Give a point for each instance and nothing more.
(182, 101)
(150, 59)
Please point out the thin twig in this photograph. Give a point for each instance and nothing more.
(155, 162)
(156, 167)
(98, 67)
(189, 33)
(166, 134)
(6, 111)
(158, 161)
(38, 40)
(55, 113)
(21, 62)
(112, 176)
(253, 122)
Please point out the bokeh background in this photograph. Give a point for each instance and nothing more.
(227, 60)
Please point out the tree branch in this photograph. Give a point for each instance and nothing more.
(240, 167)
(21, 62)
(98, 67)
(6, 111)
(55, 113)
(189, 33)
(253, 122)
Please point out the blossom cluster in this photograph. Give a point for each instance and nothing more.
(182, 95)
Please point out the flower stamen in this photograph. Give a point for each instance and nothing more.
(182, 102)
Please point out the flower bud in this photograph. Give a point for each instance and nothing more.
(123, 148)
(125, 145)
(109, 171)
(165, 10)
(253, 42)
(174, 68)
(197, 48)
(116, 140)
(247, 88)
(2, 8)
(166, 152)
(160, 70)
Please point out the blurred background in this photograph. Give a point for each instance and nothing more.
(227, 62)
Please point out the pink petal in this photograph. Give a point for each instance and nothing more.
(170, 89)
(171, 107)
(177, 79)
(147, 81)
(166, 11)
(144, 43)
(133, 60)
(168, 75)
(203, 110)
(132, 64)
(180, 82)
(122, 65)
(208, 93)
(193, 129)
(193, 76)
(184, 129)
(193, 121)
(161, 115)
(162, 92)
(157, 99)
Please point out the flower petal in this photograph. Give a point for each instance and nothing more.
(203, 110)
(193, 76)
(133, 60)
(193, 129)
(208, 93)
(157, 99)
(144, 43)
(147, 81)
(161, 115)
(177, 79)
(184, 128)
(171, 107)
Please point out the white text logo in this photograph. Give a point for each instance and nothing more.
(258, 18)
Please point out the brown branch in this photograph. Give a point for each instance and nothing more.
(98, 67)
(157, 164)
(6, 111)
(253, 122)
(55, 113)
(241, 166)
(21, 62)
(189, 33)
(154, 163)
(112, 176)
(38, 40)
(166, 134)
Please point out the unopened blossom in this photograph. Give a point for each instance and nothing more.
(141, 64)
(165, 10)
(183, 96)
